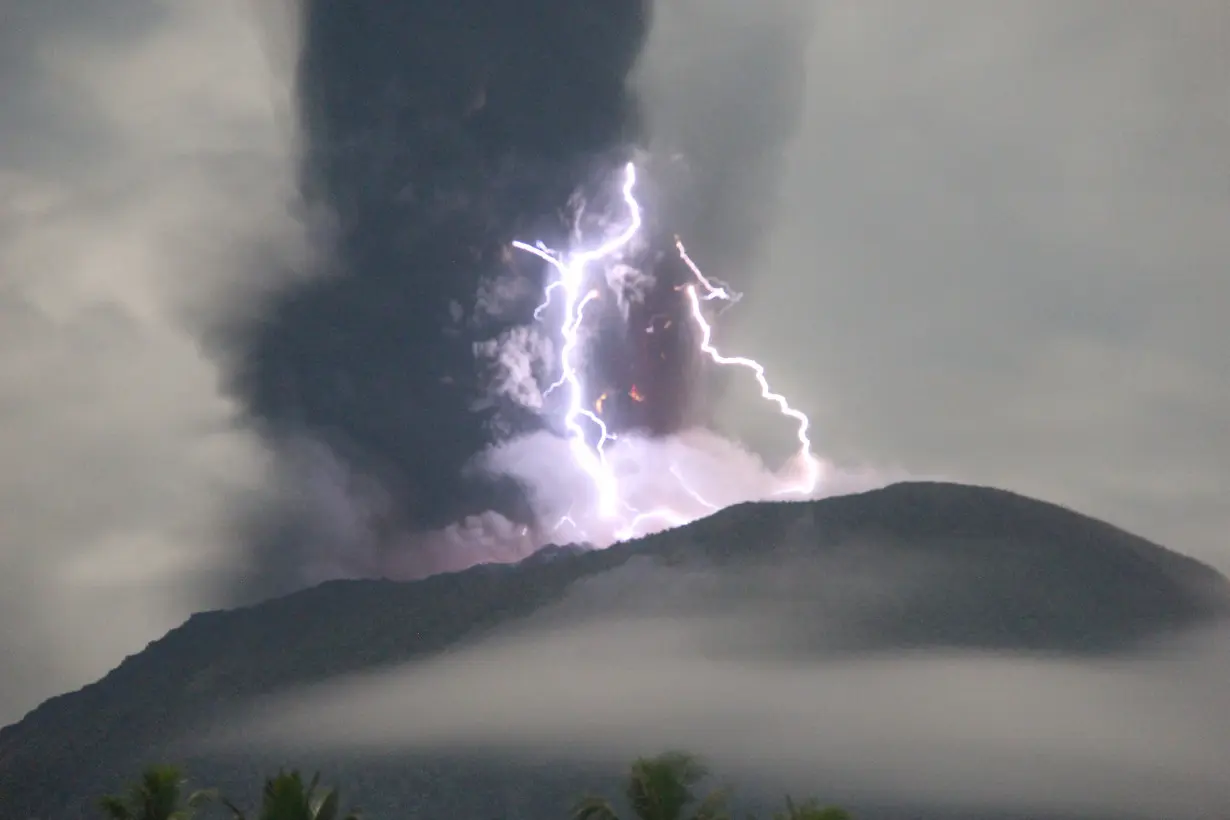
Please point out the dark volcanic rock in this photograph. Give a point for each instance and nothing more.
(987, 569)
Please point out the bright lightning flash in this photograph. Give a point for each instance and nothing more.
(810, 465)
(573, 274)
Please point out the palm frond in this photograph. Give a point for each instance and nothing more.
(326, 809)
(593, 808)
(660, 788)
(115, 807)
(236, 812)
(714, 806)
(202, 797)
(810, 809)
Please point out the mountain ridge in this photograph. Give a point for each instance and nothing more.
(1018, 574)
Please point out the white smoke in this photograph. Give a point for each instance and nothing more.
(497, 295)
(661, 482)
(351, 527)
(691, 474)
(629, 284)
(517, 362)
(485, 538)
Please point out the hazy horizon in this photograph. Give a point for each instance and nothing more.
(239, 334)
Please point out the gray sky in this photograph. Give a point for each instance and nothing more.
(144, 173)
(1000, 244)
(995, 248)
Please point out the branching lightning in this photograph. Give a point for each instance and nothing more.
(572, 275)
(810, 465)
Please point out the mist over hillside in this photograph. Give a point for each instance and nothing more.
(935, 648)
(269, 354)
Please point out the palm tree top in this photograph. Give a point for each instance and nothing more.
(287, 797)
(661, 788)
(811, 810)
(157, 795)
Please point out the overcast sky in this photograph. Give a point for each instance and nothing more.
(1000, 244)
(143, 169)
(988, 242)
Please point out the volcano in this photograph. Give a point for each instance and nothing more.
(914, 567)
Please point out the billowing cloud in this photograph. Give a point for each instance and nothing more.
(983, 243)
(520, 360)
(146, 193)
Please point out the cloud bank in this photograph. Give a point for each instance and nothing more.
(647, 657)
(147, 193)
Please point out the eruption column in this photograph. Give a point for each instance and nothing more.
(572, 272)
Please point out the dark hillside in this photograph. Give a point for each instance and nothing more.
(1002, 572)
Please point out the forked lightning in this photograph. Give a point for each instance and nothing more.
(572, 280)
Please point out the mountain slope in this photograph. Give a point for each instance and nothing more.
(912, 566)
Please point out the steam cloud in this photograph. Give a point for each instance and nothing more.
(253, 338)
(647, 657)
(241, 291)
(415, 510)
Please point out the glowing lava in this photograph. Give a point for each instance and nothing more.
(573, 273)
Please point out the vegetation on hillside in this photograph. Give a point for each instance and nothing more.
(158, 795)
(663, 787)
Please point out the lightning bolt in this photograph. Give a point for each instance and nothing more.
(572, 272)
(811, 466)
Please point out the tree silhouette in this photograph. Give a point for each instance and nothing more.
(661, 788)
(157, 795)
(287, 797)
(810, 810)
